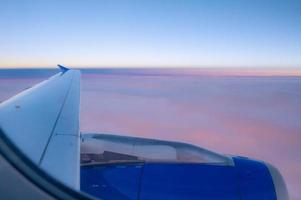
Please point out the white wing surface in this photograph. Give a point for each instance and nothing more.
(43, 122)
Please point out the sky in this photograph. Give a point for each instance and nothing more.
(163, 33)
(257, 117)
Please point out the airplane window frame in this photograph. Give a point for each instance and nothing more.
(34, 174)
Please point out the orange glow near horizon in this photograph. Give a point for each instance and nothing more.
(181, 70)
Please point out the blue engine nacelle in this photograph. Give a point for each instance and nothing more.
(116, 175)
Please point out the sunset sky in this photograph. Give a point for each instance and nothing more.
(165, 33)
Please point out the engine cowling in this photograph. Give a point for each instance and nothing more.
(118, 167)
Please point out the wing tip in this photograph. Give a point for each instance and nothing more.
(62, 68)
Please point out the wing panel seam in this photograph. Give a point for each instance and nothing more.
(55, 123)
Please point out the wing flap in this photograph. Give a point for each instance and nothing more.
(62, 158)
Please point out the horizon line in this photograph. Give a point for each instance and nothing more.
(294, 67)
(190, 71)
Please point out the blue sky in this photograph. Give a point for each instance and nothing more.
(237, 33)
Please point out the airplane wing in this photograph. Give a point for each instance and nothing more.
(43, 122)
